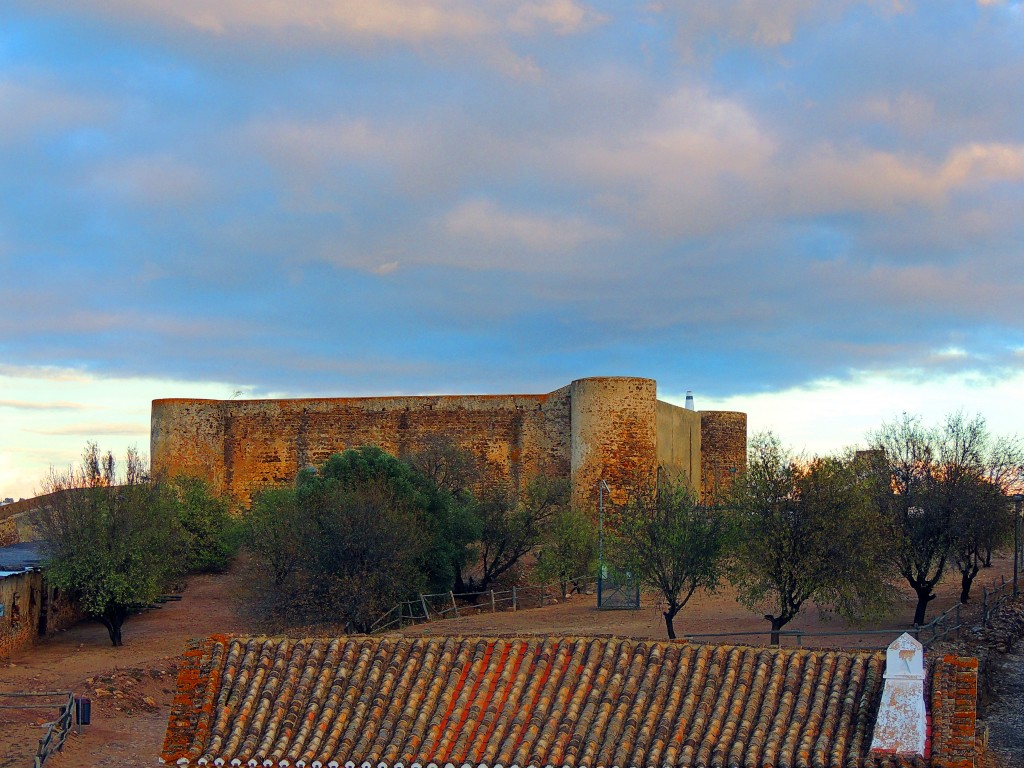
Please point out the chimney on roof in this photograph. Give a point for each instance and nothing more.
(901, 725)
(689, 400)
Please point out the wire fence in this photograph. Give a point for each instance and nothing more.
(948, 624)
(56, 730)
(448, 605)
(445, 605)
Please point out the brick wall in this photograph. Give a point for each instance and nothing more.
(679, 447)
(25, 505)
(18, 625)
(614, 437)
(954, 701)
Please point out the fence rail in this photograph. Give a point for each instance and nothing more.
(992, 598)
(446, 605)
(57, 730)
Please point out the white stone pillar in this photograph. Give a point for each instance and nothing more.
(901, 726)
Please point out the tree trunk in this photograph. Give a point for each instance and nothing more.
(967, 576)
(924, 596)
(988, 555)
(777, 624)
(460, 584)
(113, 621)
(669, 625)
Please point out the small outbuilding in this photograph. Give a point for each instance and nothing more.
(30, 608)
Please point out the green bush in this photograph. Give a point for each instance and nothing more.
(208, 534)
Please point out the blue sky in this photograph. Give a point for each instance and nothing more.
(813, 212)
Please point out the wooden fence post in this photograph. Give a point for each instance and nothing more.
(426, 613)
(455, 608)
(515, 604)
(493, 609)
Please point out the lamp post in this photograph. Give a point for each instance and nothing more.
(602, 486)
(1017, 499)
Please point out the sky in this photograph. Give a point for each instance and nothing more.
(812, 212)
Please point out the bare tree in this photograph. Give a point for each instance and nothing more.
(936, 488)
(514, 523)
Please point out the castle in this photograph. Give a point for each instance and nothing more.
(601, 428)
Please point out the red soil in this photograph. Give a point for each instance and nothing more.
(131, 687)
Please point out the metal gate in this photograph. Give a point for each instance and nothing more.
(617, 590)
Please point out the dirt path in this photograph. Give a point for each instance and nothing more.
(132, 687)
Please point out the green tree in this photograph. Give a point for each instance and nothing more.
(109, 537)
(672, 544)
(366, 550)
(805, 532)
(569, 552)
(277, 533)
(455, 525)
(349, 540)
(981, 523)
(208, 534)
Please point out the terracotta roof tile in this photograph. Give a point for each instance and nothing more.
(399, 702)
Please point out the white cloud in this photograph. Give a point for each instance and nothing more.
(912, 113)
(407, 21)
(32, 105)
(703, 163)
(828, 415)
(761, 23)
(40, 432)
(31, 405)
(95, 430)
(489, 224)
(565, 17)
(155, 180)
(678, 170)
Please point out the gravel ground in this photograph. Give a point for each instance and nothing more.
(1005, 718)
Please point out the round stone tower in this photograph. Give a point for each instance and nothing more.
(613, 437)
(723, 450)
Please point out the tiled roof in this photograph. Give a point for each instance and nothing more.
(402, 702)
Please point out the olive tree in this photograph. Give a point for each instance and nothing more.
(109, 535)
(569, 551)
(806, 532)
(937, 489)
(673, 544)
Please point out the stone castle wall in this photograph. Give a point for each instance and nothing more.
(610, 428)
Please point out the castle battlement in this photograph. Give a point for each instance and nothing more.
(612, 428)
